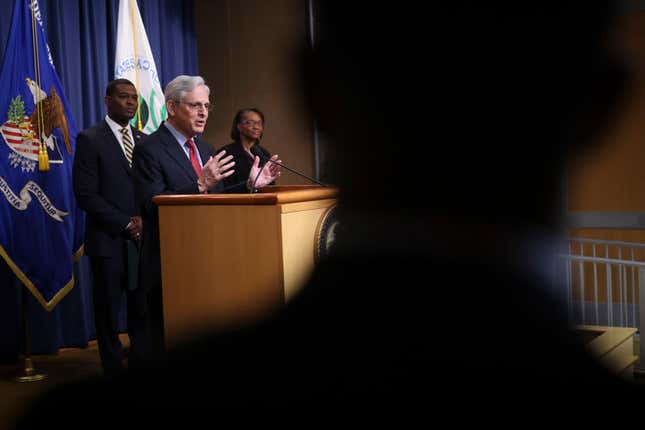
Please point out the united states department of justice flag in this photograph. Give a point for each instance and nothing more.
(41, 227)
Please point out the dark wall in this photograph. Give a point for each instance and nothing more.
(248, 53)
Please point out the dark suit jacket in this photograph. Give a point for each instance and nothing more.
(236, 183)
(161, 167)
(104, 189)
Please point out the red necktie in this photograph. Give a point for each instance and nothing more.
(192, 153)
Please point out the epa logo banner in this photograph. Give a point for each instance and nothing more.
(134, 62)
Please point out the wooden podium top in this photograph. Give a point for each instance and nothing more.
(270, 195)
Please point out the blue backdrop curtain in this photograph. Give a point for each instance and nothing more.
(82, 38)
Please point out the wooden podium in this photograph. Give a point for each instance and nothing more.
(228, 259)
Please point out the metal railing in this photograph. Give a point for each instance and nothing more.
(605, 283)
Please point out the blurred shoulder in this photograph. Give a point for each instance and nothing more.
(94, 130)
(154, 137)
(231, 148)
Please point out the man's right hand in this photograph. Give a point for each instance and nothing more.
(214, 170)
(135, 228)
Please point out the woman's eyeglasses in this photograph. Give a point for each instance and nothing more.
(251, 123)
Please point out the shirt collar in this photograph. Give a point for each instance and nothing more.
(114, 126)
(180, 138)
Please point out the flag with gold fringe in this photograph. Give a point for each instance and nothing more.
(41, 227)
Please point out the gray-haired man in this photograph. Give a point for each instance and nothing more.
(175, 160)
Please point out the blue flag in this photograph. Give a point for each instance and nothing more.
(41, 227)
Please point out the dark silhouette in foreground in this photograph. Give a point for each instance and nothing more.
(451, 129)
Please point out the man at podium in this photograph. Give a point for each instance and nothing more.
(175, 160)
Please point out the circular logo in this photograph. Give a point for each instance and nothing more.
(326, 233)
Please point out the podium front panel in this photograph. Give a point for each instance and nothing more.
(229, 260)
(221, 266)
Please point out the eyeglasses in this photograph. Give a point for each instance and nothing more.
(199, 106)
(251, 123)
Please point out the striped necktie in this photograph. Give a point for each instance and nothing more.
(127, 145)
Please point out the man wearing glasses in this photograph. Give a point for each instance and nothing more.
(175, 160)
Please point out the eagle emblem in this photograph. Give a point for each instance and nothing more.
(24, 132)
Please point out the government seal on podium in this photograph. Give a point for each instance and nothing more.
(326, 234)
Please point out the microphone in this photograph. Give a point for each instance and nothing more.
(255, 150)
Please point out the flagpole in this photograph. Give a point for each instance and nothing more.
(132, 51)
(43, 158)
(136, 60)
(26, 372)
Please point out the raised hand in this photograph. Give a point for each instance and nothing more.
(267, 174)
(214, 170)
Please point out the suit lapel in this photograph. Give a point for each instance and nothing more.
(204, 150)
(137, 135)
(115, 147)
(176, 153)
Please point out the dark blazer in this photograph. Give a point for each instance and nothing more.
(161, 167)
(104, 189)
(236, 183)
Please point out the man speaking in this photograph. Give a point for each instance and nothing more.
(175, 160)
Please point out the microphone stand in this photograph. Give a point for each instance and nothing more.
(262, 156)
(298, 173)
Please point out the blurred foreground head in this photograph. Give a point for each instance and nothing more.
(468, 110)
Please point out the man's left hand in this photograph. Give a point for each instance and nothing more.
(270, 172)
